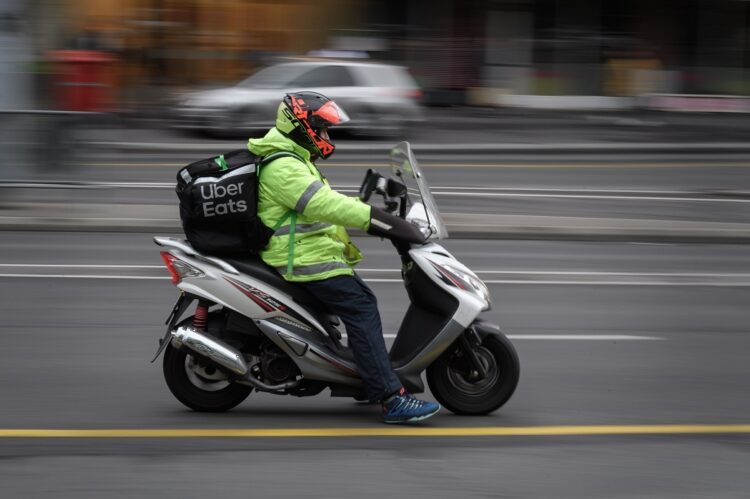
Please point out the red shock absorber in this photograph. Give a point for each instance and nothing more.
(200, 319)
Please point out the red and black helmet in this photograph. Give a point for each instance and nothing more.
(305, 117)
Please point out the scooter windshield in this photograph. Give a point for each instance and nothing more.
(422, 209)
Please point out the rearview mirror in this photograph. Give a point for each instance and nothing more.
(373, 182)
(395, 189)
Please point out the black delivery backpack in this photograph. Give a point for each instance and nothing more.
(218, 203)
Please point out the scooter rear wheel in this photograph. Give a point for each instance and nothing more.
(200, 388)
(456, 390)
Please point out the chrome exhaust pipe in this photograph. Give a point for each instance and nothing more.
(211, 348)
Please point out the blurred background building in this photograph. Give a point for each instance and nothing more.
(460, 51)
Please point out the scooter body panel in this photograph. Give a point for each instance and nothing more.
(296, 332)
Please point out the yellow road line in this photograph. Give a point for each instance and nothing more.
(384, 431)
(468, 165)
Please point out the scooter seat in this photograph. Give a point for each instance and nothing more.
(255, 267)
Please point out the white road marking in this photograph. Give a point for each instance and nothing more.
(744, 284)
(640, 275)
(396, 270)
(507, 192)
(699, 198)
(594, 272)
(571, 337)
(80, 266)
(643, 196)
(590, 196)
(98, 219)
(393, 281)
(82, 276)
(585, 337)
(584, 190)
(514, 277)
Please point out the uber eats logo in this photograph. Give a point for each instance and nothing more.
(215, 200)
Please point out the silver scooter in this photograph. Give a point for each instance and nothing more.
(251, 329)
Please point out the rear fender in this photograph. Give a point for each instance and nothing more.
(183, 302)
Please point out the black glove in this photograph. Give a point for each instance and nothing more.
(384, 224)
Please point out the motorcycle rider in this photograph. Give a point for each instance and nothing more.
(310, 245)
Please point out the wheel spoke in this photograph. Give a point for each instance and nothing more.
(461, 380)
(203, 378)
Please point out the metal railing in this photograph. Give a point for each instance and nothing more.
(45, 144)
(41, 152)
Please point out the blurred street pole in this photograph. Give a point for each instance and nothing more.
(15, 57)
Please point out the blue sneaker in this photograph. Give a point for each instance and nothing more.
(406, 408)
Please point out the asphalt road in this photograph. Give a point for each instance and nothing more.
(608, 334)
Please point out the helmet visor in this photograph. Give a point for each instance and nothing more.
(329, 114)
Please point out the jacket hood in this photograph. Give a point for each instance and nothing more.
(275, 141)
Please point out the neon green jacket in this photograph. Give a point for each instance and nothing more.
(309, 242)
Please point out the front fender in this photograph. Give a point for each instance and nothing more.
(484, 329)
(487, 330)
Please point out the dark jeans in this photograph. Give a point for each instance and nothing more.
(356, 305)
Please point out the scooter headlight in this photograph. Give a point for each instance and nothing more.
(467, 281)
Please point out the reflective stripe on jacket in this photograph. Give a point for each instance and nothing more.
(309, 242)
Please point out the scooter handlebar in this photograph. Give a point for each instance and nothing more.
(396, 229)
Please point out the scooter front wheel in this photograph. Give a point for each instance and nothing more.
(459, 388)
(200, 387)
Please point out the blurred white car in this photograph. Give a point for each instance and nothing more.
(379, 98)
